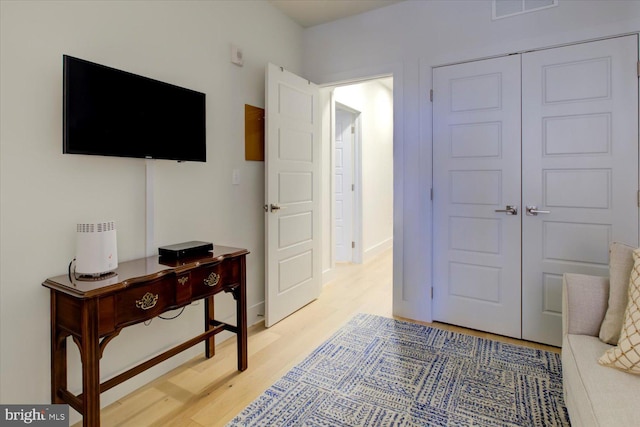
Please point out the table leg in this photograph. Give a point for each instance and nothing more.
(58, 355)
(210, 343)
(241, 313)
(90, 353)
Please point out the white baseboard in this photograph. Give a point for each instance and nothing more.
(331, 273)
(328, 275)
(376, 250)
(255, 313)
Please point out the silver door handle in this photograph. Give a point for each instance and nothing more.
(509, 210)
(273, 207)
(534, 211)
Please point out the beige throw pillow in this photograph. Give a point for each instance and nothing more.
(620, 264)
(626, 356)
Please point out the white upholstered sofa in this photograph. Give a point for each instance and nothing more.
(595, 395)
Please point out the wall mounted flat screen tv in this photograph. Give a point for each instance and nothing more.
(109, 112)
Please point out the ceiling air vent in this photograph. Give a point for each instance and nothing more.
(506, 8)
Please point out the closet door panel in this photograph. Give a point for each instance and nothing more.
(476, 165)
(580, 168)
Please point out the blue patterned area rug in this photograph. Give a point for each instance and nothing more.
(382, 372)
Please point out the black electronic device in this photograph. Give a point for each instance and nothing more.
(109, 112)
(185, 250)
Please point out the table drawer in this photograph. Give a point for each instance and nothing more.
(145, 301)
(210, 280)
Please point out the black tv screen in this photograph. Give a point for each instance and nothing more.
(109, 112)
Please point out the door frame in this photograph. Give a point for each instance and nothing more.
(328, 128)
(356, 214)
(408, 296)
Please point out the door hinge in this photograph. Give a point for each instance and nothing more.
(431, 194)
(638, 198)
(638, 68)
(353, 245)
(353, 187)
(431, 95)
(353, 130)
(432, 293)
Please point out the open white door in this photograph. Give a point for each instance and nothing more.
(292, 194)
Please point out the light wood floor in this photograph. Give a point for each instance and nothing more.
(211, 392)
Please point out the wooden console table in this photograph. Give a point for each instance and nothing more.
(94, 312)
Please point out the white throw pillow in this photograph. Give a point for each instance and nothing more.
(620, 264)
(626, 356)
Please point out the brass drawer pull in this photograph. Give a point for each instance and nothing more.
(212, 280)
(148, 301)
(182, 280)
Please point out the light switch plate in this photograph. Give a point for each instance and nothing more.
(236, 55)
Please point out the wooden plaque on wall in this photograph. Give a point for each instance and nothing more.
(253, 133)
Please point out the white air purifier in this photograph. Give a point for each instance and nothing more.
(96, 248)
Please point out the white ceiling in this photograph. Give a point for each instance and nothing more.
(308, 13)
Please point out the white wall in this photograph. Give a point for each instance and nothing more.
(45, 193)
(374, 101)
(410, 38)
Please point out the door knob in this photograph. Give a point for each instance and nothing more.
(534, 211)
(273, 207)
(509, 210)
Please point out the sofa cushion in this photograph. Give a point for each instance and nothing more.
(584, 303)
(596, 395)
(620, 264)
(626, 356)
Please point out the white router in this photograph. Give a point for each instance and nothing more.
(96, 248)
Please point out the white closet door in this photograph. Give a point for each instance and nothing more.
(476, 173)
(580, 166)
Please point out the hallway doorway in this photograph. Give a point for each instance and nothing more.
(361, 199)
